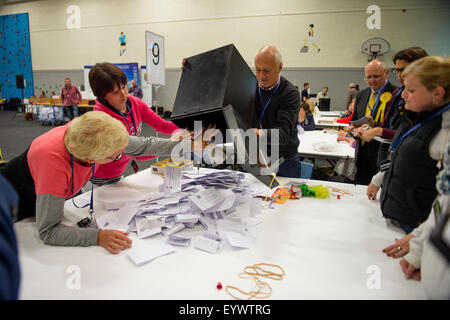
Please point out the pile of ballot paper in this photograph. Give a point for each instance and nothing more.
(215, 210)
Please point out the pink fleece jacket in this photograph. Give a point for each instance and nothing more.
(141, 113)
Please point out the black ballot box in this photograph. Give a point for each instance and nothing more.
(209, 82)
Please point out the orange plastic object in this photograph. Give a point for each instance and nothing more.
(281, 195)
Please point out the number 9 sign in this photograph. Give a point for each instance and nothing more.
(155, 59)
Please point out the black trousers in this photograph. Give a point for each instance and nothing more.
(366, 162)
(18, 174)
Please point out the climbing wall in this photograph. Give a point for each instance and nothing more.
(15, 55)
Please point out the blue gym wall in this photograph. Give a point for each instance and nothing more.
(15, 55)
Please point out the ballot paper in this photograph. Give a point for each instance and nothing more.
(148, 253)
(172, 179)
(238, 240)
(206, 244)
(207, 198)
(172, 230)
(382, 140)
(179, 241)
(186, 218)
(148, 227)
(229, 225)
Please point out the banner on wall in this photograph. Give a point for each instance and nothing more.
(156, 66)
(131, 70)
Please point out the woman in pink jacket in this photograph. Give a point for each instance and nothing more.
(109, 85)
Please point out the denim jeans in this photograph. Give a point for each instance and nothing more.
(71, 111)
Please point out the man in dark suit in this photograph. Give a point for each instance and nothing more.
(371, 102)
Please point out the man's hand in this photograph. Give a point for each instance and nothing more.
(369, 134)
(409, 270)
(357, 132)
(258, 132)
(114, 241)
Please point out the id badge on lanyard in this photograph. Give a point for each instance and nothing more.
(133, 162)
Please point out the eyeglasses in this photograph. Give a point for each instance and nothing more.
(116, 158)
(397, 71)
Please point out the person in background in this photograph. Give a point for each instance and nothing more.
(349, 117)
(135, 91)
(351, 95)
(409, 179)
(370, 102)
(342, 136)
(313, 109)
(109, 85)
(42, 94)
(70, 98)
(53, 95)
(322, 94)
(305, 93)
(395, 107)
(9, 256)
(305, 118)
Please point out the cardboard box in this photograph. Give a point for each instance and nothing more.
(185, 164)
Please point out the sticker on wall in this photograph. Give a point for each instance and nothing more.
(123, 43)
(309, 40)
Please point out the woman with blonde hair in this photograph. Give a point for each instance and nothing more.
(60, 162)
(409, 179)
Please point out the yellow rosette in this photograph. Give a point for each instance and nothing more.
(384, 99)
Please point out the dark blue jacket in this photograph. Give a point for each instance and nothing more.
(308, 124)
(9, 262)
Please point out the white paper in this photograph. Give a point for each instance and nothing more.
(110, 221)
(172, 230)
(226, 225)
(207, 198)
(126, 213)
(114, 205)
(146, 228)
(172, 179)
(238, 240)
(186, 218)
(148, 253)
(179, 241)
(206, 244)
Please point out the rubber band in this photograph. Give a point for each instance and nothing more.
(262, 289)
(337, 191)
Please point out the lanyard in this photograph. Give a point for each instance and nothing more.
(407, 133)
(399, 92)
(91, 203)
(132, 119)
(377, 100)
(109, 106)
(267, 103)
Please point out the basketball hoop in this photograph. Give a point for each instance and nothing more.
(375, 47)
